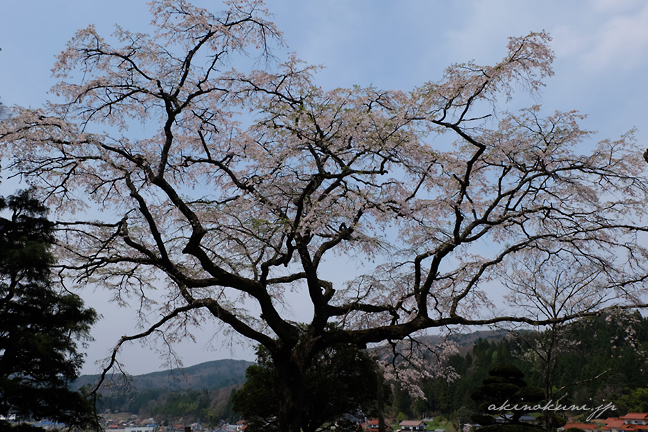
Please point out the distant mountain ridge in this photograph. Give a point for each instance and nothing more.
(218, 374)
(465, 341)
(178, 394)
(209, 375)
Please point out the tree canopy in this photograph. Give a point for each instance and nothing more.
(39, 327)
(247, 180)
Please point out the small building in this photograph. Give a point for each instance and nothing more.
(631, 422)
(148, 428)
(507, 418)
(528, 419)
(584, 426)
(614, 424)
(49, 425)
(635, 418)
(412, 425)
(372, 425)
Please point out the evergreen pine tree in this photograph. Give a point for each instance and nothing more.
(39, 326)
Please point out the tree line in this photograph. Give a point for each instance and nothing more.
(605, 362)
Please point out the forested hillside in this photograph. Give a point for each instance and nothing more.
(209, 375)
(197, 393)
(597, 360)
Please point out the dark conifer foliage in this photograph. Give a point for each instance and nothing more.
(341, 380)
(603, 359)
(40, 327)
(505, 386)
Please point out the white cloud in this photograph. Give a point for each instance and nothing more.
(615, 5)
(613, 35)
(623, 40)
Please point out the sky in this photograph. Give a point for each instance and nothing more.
(601, 66)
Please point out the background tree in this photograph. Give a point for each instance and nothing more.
(39, 327)
(341, 380)
(464, 416)
(550, 284)
(634, 401)
(220, 207)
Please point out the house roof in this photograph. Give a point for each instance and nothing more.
(613, 422)
(372, 425)
(584, 426)
(635, 416)
(411, 422)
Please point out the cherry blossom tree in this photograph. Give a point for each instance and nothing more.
(551, 284)
(241, 182)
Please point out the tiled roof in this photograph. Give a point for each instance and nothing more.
(411, 422)
(584, 426)
(635, 416)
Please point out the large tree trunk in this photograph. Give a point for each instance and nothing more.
(290, 392)
(548, 416)
(380, 401)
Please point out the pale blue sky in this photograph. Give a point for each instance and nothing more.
(601, 70)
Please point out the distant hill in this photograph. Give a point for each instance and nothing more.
(466, 341)
(210, 375)
(204, 390)
(224, 373)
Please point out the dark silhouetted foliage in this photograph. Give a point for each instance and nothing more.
(341, 380)
(39, 326)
